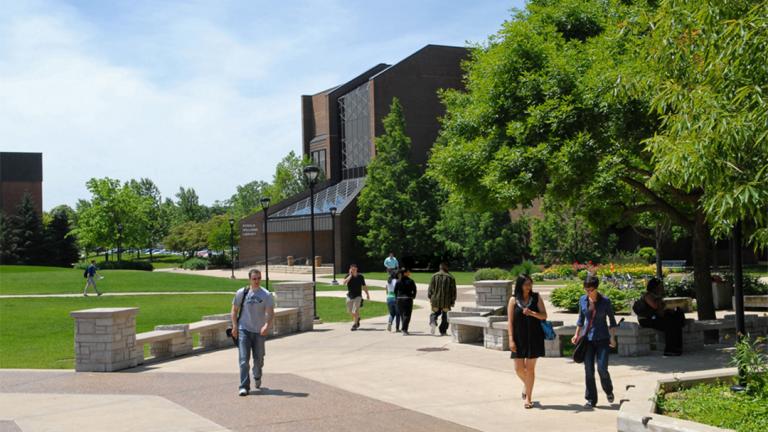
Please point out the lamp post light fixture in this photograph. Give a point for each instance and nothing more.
(119, 241)
(333, 244)
(232, 244)
(265, 205)
(310, 173)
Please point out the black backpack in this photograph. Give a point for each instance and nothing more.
(85, 274)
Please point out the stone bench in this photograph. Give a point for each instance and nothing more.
(673, 263)
(212, 333)
(165, 341)
(467, 329)
(754, 301)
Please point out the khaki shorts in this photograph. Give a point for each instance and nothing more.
(353, 305)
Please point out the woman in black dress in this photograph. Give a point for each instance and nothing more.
(526, 338)
(405, 292)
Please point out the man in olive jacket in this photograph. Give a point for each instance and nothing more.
(442, 296)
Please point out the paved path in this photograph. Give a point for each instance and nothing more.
(336, 380)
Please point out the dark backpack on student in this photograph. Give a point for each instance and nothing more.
(85, 274)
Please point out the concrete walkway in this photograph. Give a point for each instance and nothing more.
(337, 380)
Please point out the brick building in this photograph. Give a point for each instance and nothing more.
(338, 130)
(20, 174)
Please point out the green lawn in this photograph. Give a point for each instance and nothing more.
(57, 280)
(39, 333)
(462, 278)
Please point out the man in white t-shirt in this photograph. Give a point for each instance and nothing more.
(252, 328)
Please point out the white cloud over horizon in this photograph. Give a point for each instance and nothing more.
(187, 94)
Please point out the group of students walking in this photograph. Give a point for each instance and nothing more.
(595, 329)
(253, 315)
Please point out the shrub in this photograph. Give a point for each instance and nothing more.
(537, 277)
(647, 253)
(750, 284)
(679, 288)
(121, 265)
(567, 297)
(195, 264)
(524, 268)
(559, 271)
(491, 274)
(751, 359)
(220, 261)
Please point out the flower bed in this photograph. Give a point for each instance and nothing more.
(566, 271)
(567, 297)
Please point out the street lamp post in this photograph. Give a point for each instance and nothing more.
(265, 205)
(119, 241)
(310, 173)
(232, 244)
(738, 294)
(333, 245)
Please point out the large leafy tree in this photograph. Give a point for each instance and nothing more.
(289, 178)
(707, 70)
(112, 204)
(398, 207)
(481, 238)
(550, 110)
(247, 198)
(157, 216)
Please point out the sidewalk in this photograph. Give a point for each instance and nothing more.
(336, 380)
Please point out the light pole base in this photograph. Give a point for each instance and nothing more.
(334, 282)
(317, 321)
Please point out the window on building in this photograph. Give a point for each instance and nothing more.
(318, 158)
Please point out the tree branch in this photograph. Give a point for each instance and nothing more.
(664, 206)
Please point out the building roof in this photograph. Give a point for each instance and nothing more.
(339, 195)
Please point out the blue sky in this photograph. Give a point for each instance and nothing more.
(202, 94)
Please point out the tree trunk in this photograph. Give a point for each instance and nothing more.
(702, 276)
(659, 273)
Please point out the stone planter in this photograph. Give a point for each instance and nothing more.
(721, 295)
(639, 412)
(495, 293)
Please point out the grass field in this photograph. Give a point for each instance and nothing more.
(57, 280)
(462, 278)
(39, 333)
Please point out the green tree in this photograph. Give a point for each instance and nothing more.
(157, 217)
(61, 248)
(709, 81)
(246, 200)
(188, 205)
(26, 233)
(549, 111)
(188, 237)
(289, 178)
(482, 238)
(219, 233)
(111, 205)
(398, 206)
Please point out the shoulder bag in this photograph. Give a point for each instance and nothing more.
(581, 345)
(239, 312)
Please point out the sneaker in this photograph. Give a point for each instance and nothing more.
(443, 333)
(258, 385)
(85, 295)
(354, 327)
(98, 294)
(397, 330)
(589, 405)
(243, 392)
(405, 333)
(432, 327)
(610, 398)
(389, 327)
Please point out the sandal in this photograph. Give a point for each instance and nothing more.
(528, 405)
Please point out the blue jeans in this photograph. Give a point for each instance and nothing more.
(394, 315)
(250, 343)
(597, 350)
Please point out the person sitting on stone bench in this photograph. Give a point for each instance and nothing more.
(651, 313)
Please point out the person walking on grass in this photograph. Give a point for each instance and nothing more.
(526, 338)
(355, 283)
(252, 328)
(594, 310)
(405, 292)
(394, 315)
(442, 297)
(90, 278)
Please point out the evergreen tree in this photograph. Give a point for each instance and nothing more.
(7, 241)
(61, 248)
(27, 232)
(398, 208)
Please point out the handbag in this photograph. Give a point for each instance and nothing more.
(549, 330)
(581, 345)
(239, 312)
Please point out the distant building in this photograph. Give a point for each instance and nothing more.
(20, 174)
(339, 126)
